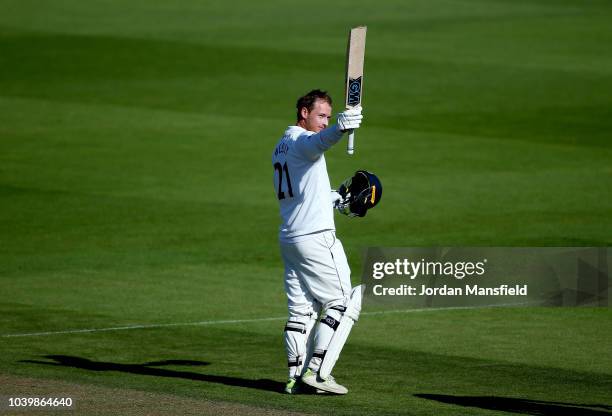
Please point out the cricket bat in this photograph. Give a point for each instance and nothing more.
(355, 53)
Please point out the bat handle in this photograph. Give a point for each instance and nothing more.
(350, 146)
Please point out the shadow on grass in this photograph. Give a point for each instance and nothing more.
(523, 406)
(148, 369)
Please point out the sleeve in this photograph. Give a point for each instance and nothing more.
(312, 146)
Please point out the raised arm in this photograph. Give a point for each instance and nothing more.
(312, 146)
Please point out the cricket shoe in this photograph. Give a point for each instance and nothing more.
(329, 384)
(295, 386)
(292, 386)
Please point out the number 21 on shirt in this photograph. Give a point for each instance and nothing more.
(283, 171)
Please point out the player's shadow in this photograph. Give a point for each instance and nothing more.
(151, 369)
(522, 406)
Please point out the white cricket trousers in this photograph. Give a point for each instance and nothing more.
(317, 273)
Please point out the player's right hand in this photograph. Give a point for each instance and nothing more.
(350, 119)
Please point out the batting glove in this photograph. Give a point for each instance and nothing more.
(350, 119)
(340, 203)
(335, 197)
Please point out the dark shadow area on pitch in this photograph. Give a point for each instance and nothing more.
(148, 369)
(522, 406)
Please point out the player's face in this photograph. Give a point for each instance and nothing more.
(317, 119)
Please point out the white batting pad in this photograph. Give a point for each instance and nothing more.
(342, 332)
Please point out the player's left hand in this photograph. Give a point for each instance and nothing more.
(335, 197)
(350, 119)
(340, 203)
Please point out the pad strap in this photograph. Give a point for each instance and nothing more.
(330, 322)
(340, 308)
(295, 363)
(296, 327)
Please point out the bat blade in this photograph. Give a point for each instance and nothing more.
(355, 54)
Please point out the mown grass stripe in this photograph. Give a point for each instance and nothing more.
(233, 321)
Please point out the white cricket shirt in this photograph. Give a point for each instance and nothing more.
(301, 181)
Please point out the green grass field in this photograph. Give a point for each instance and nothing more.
(136, 190)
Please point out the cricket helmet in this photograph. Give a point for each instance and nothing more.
(360, 193)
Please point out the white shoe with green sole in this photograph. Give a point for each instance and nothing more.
(329, 385)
